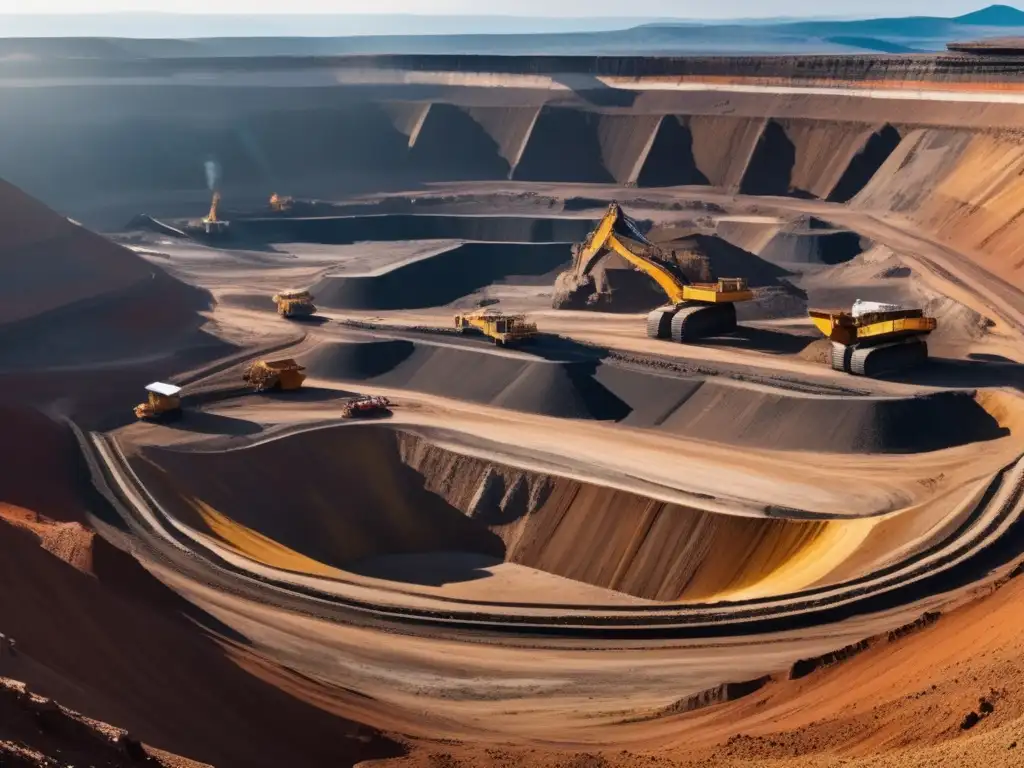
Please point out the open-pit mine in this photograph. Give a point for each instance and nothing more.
(513, 411)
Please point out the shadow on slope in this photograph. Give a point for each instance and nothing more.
(442, 278)
(347, 495)
(340, 230)
(515, 381)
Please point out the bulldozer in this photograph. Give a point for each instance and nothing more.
(284, 375)
(362, 407)
(504, 330)
(280, 204)
(694, 311)
(875, 338)
(295, 304)
(162, 404)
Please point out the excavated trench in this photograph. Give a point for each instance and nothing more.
(369, 500)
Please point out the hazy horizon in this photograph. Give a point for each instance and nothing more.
(542, 9)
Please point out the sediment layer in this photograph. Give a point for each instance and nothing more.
(359, 493)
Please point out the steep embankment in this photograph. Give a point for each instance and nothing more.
(442, 278)
(89, 621)
(622, 541)
(347, 495)
(708, 410)
(69, 297)
(358, 493)
(119, 657)
(964, 188)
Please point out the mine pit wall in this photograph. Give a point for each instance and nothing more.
(963, 188)
(615, 539)
(949, 166)
(338, 498)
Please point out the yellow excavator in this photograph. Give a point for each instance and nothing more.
(695, 310)
(874, 338)
(504, 330)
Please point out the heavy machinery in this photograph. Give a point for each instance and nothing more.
(280, 204)
(362, 407)
(295, 304)
(211, 224)
(695, 311)
(874, 338)
(163, 403)
(504, 330)
(285, 375)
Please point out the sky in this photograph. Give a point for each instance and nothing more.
(692, 9)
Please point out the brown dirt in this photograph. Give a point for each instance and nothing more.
(91, 648)
(898, 704)
(36, 732)
(634, 544)
(723, 146)
(90, 620)
(824, 151)
(963, 188)
(39, 472)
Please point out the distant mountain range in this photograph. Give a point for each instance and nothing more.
(174, 35)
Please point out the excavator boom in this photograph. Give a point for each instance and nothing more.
(607, 237)
(695, 310)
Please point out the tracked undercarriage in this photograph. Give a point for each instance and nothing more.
(875, 339)
(691, 321)
(891, 357)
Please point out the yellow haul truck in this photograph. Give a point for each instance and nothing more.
(294, 304)
(162, 404)
(284, 375)
(504, 330)
(695, 310)
(874, 338)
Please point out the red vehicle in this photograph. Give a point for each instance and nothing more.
(367, 406)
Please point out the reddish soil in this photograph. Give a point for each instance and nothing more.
(92, 648)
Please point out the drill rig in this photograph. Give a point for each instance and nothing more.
(211, 224)
(694, 311)
(874, 338)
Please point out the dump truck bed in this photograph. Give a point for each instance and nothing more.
(843, 327)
